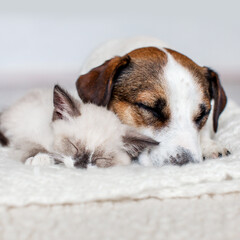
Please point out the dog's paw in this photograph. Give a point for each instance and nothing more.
(41, 159)
(213, 149)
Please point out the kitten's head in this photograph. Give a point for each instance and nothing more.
(91, 135)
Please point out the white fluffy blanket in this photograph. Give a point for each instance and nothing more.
(22, 185)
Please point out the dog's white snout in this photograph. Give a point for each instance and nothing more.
(176, 147)
(187, 143)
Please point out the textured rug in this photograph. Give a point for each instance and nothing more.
(203, 218)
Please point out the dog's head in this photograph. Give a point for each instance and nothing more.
(164, 93)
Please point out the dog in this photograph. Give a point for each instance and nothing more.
(163, 93)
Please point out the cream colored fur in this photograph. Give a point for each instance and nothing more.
(38, 140)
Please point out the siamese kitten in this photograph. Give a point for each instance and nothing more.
(48, 127)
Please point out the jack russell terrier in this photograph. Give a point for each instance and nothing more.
(162, 92)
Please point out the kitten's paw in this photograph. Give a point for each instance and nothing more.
(213, 149)
(41, 159)
(68, 162)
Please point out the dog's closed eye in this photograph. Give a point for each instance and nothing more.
(204, 112)
(155, 111)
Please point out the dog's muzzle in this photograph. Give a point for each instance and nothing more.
(163, 156)
(175, 148)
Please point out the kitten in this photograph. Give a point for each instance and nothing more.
(48, 127)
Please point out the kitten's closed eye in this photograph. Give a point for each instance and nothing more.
(102, 159)
(104, 162)
(66, 147)
(73, 146)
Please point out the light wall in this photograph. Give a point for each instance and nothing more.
(42, 42)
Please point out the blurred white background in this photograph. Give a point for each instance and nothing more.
(44, 42)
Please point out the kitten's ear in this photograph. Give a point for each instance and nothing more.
(135, 142)
(65, 106)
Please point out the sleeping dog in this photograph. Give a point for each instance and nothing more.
(162, 92)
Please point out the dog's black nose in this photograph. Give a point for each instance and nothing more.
(183, 156)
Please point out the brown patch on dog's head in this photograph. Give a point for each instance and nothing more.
(125, 85)
(139, 95)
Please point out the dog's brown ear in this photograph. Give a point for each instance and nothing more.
(96, 86)
(217, 94)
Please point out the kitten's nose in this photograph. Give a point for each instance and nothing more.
(81, 161)
(183, 156)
